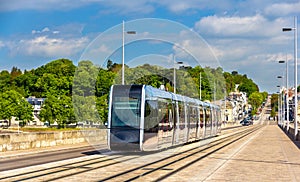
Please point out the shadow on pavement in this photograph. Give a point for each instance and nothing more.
(291, 137)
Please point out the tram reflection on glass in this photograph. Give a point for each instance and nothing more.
(143, 118)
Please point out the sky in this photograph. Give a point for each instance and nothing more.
(244, 35)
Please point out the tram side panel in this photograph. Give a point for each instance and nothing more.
(201, 128)
(213, 122)
(219, 121)
(151, 125)
(165, 129)
(180, 129)
(208, 123)
(193, 123)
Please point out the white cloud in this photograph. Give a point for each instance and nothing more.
(1, 44)
(283, 9)
(230, 7)
(48, 47)
(46, 29)
(236, 26)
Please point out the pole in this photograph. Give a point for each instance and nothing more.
(287, 97)
(200, 86)
(282, 111)
(296, 94)
(123, 53)
(278, 114)
(174, 75)
(214, 91)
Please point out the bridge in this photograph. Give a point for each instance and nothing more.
(260, 152)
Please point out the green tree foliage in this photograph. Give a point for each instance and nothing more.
(5, 78)
(248, 86)
(58, 109)
(85, 82)
(274, 102)
(26, 84)
(89, 91)
(13, 104)
(56, 76)
(255, 99)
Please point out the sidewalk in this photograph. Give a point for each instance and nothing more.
(270, 156)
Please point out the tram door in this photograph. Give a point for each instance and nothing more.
(214, 121)
(193, 122)
(208, 123)
(165, 129)
(180, 129)
(219, 122)
(201, 121)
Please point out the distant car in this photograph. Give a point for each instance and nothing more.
(246, 122)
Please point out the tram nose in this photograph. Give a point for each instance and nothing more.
(125, 140)
(125, 137)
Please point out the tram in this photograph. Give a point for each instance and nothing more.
(144, 118)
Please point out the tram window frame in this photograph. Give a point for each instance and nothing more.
(202, 116)
(207, 116)
(193, 115)
(151, 116)
(133, 108)
(181, 112)
(164, 107)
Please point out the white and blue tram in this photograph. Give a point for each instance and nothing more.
(143, 118)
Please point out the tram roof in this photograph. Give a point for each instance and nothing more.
(155, 92)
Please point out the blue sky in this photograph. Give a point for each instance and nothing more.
(245, 35)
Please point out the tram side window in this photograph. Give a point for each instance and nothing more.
(163, 114)
(193, 117)
(208, 117)
(212, 116)
(201, 116)
(181, 115)
(151, 113)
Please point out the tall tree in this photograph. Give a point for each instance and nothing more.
(13, 104)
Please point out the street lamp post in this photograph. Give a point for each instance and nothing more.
(279, 105)
(200, 91)
(287, 95)
(295, 67)
(175, 62)
(123, 51)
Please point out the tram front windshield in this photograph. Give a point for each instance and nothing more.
(126, 106)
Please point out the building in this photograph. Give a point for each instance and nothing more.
(37, 104)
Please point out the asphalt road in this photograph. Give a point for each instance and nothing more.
(46, 157)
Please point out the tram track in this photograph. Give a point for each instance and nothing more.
(157, 169)
(162, 169)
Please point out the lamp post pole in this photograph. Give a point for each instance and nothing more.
(174, 74)
(287, 98)
(200, 91)
(123, 49)
(279, 106)
(175, 62)
(287, 95)
(295, 79)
